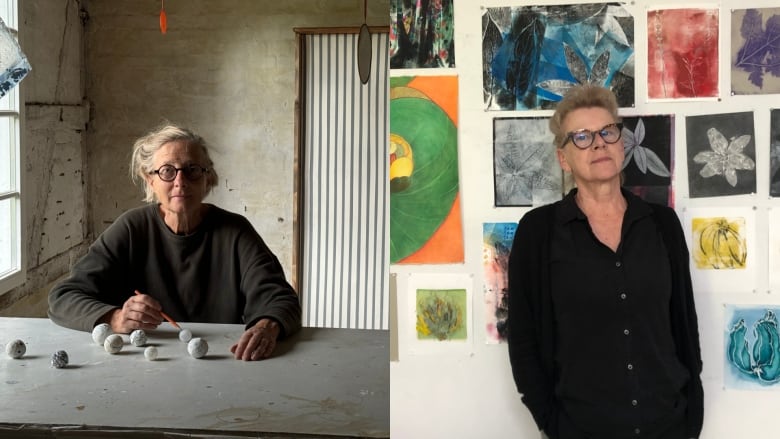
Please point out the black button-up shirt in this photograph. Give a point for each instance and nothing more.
(617, 371)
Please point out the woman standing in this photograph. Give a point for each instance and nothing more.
(603, 337)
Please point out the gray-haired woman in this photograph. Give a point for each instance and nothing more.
(195, 261)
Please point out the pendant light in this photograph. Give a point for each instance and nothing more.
(364, 50)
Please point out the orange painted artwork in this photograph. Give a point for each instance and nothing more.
(425, 215)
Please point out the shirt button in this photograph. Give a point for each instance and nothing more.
(634, 402)
(618, 264)
(626, 331)
(623, 296)
(630, 366)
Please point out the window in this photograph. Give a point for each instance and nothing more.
(12, 257)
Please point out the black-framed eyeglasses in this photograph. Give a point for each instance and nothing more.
(583, 138)
(191, 172)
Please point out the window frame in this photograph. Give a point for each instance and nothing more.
(17, 274)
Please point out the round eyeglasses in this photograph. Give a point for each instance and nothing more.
(191, 172)
(583, 138)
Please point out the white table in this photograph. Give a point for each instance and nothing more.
(320, 383)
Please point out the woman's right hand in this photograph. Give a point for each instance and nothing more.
(138, 312)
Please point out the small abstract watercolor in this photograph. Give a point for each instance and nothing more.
(682, 58)
(754, 51)
(497, 241)
(649, 150)
(421, 34)
(719, 243)
(721, 154)
(441, 314)
(532, 55)
(525, 168)
(752, 347)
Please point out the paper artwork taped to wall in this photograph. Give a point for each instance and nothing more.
(13, 62)
(721, 154)
(682, 53)
(441, 315)
(774, 250)
(525, 168)
(752, 347)
(648, 164)
(531, 55)
(421, 34)
(754, 51)
(425, 217)
(719, 243)
(496, 244)
(774, 153)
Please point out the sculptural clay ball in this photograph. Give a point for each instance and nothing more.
(197, 347)
(59, 359)
(113, 343)
(138, 337)
(100, 332)
(150, 353)
(15, 349)
(185, 335)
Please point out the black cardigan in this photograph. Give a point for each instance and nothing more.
(531, 335)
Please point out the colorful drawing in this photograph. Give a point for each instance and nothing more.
(531, 55)
(441, 314)
(752, 347)
(719, 243)
(421, 34)
(720, 149)
(774, 153)
(754, 51)
(425, 218)
(682, 53)
(496, 244)
(525, 167)
(649, 152)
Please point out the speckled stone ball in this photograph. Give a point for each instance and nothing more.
(150, 353)
(100, 332)
(15, 349)
(59, 359)
(185, 335)
(138, 337)
(113, 343)
(197, 347)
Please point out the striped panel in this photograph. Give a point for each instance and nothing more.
(345, 232)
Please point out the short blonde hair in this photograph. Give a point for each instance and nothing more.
(581, 96)
(147, 146)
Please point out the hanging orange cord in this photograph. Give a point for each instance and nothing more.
(163, 18)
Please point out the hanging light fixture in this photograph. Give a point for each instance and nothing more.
(163, 18)
(364, 50)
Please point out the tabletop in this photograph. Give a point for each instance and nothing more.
(319, 383)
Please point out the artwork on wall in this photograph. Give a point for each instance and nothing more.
(649, 152)
(531, 55)
(721, 154)
(774, 250)
(421, 34)
(752, 347)
(682, 53)
(440, 311)
(525, 168)
(496, 244)
(753, 51)
(774, 153)
(425, 216)
(722, 245)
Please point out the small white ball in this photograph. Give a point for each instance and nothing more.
(15, 349)
(138, 337)
(197, 347)
(150, 353)
(185, 335)
(100, 332)
(59, 359)
(113, 343)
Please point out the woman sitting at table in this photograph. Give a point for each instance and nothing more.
(195, 261)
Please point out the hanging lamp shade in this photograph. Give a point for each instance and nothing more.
(364, 50)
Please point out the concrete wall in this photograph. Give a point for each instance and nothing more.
(103, 75)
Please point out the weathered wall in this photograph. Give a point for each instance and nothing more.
(103, 75)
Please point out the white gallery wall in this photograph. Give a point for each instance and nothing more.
(464, 389)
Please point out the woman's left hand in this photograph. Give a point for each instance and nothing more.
(257, 342)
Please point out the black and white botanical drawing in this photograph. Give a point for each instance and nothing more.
(648, 164)
(774, 154)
